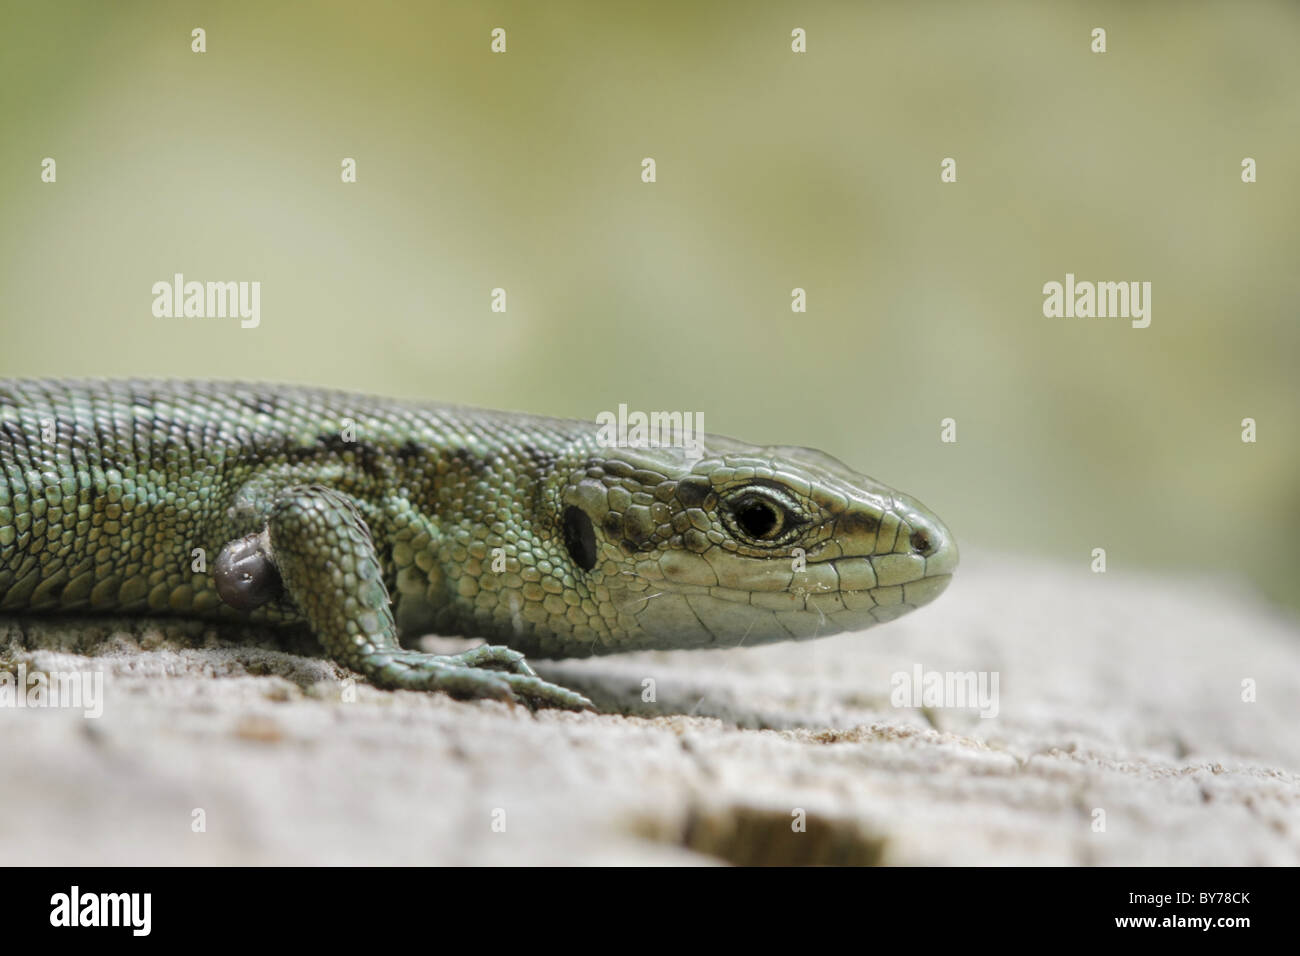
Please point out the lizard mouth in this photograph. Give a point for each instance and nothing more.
(701, 616)
(905, 596)
(861, 590)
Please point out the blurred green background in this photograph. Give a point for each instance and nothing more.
(775, 170)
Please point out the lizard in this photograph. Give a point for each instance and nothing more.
(372, 521)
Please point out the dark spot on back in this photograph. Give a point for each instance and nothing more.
(476, 465)
(261, 404)
(371, 460)
(539, 458)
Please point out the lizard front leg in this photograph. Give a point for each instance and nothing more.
(318, 545)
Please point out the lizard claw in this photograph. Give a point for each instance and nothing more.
(472, 675)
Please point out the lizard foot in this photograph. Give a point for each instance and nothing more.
(318, 548)
(492, 656)
(471, 675)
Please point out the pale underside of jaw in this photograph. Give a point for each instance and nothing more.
(703, 616)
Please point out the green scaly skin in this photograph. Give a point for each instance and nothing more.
(370, 520)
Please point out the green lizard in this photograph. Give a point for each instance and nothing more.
(369, 519)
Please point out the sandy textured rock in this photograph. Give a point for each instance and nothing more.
(1118, 694)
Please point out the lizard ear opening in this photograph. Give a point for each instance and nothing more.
(579, 537)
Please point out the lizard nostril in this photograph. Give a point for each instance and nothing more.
(922, 543)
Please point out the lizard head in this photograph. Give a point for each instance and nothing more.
(745, 544)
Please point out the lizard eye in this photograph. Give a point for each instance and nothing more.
(762, 515)
(758, 518)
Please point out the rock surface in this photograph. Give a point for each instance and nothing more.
(1121, 737)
